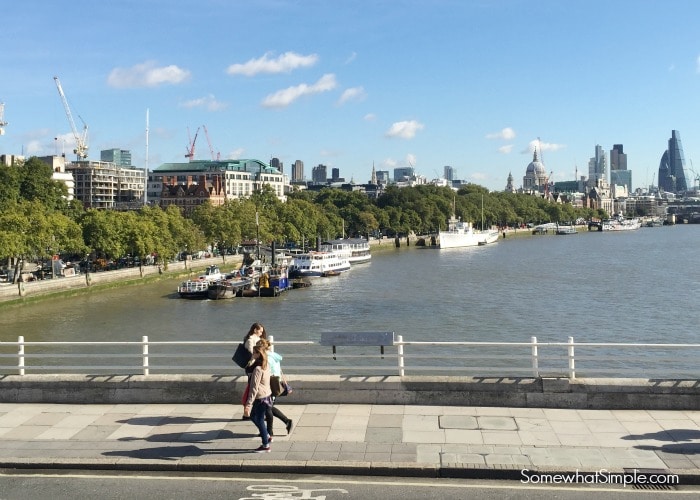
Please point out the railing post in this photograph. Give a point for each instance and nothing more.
(271, 339)
(535, 361)
(144, 352)
(572, 361)
(399, 353)
(20, 354)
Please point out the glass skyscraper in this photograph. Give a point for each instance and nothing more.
(672, 166)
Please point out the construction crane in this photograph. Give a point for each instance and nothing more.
(190, 148)
(216, 156)
(3, 123)
(696, 179)
(81, 145)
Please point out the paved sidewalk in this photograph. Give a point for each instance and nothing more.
(430, 441)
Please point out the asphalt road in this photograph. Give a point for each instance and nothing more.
(59, 485)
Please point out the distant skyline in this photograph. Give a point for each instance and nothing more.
(425, 84)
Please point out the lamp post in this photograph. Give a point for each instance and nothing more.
(257, 234)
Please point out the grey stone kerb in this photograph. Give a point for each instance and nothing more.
(337, 389)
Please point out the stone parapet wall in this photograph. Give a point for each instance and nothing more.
(318, 389)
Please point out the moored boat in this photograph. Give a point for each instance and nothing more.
(566, 229)
(462, 234)
(228, 287)
(355, 250)
(198, 288)
(193, 289)
(620, 223)
(314, 264)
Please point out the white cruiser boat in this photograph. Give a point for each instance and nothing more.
(314, 264)
(462, 234)
(355, 250)
(621, 224)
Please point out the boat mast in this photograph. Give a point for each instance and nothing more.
(482, 212)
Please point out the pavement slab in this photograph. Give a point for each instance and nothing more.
(352, 439)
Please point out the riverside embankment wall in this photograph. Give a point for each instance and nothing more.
(338, 389)
(29, 289)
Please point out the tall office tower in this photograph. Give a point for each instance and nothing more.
(276, 163)
(383, 177)
(672, 166)
(298, 171)
(449, 173)
(335, 174)
(619, 175)
(618, 158)
(120, 157)
(319, 174)
(598, 167)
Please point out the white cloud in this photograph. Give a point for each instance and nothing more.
(147, 75)
(389, 163)
(351, 58)
(370, 117)
(352, 94)
(209, 103)
(405, 129)
(507, 134)
(283, 64)
(236, 154)
(287, 96)
(34, 147)
(411, 160)
(508, 148)
(542, 146)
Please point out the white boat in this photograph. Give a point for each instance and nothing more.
(566, 229)
(315, 264)
(462, 234)
(621, 224)
(355, 250)
(198, 288)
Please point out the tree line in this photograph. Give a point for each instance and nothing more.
(37, 221)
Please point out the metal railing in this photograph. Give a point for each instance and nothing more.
(505, 359)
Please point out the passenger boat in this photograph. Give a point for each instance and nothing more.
(621, 224)
(356, 250)
(315, 264)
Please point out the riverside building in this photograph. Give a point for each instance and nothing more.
(224, 179)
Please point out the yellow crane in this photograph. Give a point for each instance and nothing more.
(81, 145)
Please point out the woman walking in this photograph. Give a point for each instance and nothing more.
(273, 360)
(256, 332)
(259, 395)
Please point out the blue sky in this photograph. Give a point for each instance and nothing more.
(471, 84)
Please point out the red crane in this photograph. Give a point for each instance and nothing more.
(190, 147)
(211, 149)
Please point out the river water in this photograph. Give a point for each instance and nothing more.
(633, 287)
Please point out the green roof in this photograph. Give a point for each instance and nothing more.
(217, 166)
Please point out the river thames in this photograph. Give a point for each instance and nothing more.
(633, 287)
